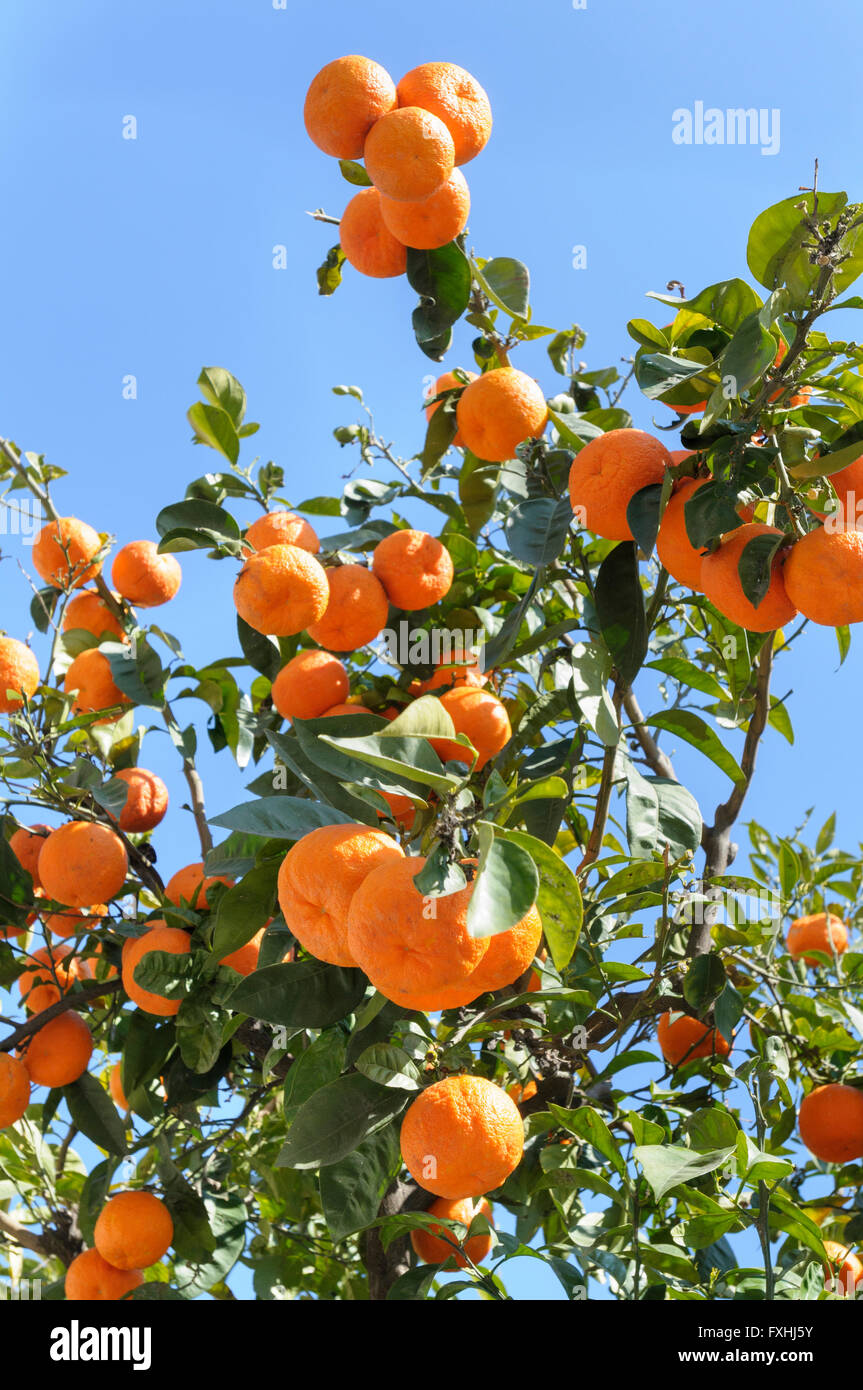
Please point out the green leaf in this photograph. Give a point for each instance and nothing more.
(193, 1236)
(704, 982)
(507, 284)
(692, 729)
(336, 1119)
(666, 1166)
(505, 887)
(42, 606)
(301, 994)
(260, 651)
(225, 392)
(559, 901)
(660, 812)
(16, 888)
(755, 566)
(775, 252)
(478, 486)
(329, 276)
(244, 909)
(214, 427)
(389, 1066)
(589, 1125)
(591, 668)
(137, 671)
(351, 1190)
(354, 173)
(642, 515)
(749, 354)
(95, 1114)
(711, 511)
(195, 524)
(410, 758)
(280, 817)
(442, 279)
(537, 530)
(727, 303)
(620, 610)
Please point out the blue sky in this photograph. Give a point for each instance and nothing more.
(154, 256)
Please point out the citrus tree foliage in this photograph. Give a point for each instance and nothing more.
(267, 1112)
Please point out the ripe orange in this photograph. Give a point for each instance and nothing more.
(480, 715)
(830, 1121)
(143, 576)
(309, 685)
(133, 1231)
(687, 409)
(509, 954)
(824, 576)
(416, 950)
(82, 863)
(191, 884)
(369, 245)
(58, 1054)
(346, 708)
(53, 967)
(245, 959)
(720, 581)
(435, 221)
(90, 1279)
(402, 810)
(40, 998)
(158, 937)
(409, 154)
(19, 674)
(434, 1244)
(461, 668)
(65, 553)
(146, 800)
(281, 528)
(318, 879)
(498, 411)
(448, 381)
(673, 546)
(415, 569)
(26, 844)
(682, 1039)
(357, 609)
(450, 93)
(462, 1137)
(281, 590)
(521, 1093)
(607, 473)
(343, 103)
(848, 486)
(89, 612)
(73, 921)
(14, 1090)
(845, 1270)
(813, 934)
(89, 677)
(115, 1086)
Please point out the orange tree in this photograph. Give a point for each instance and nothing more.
(467, 974)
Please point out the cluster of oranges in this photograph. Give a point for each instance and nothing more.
(413, 137)
(133, 1231)
(819, 576)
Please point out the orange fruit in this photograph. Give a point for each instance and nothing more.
(146, 800)
(482, 717)
(58, 1054)
(48, 967)
(369, 245)
(678, 455)
(115, 1086)
(800, 397)
(720, 582)
(848, 486)
(281, 590)
(191, 884)
(830, 1121)
(509, 954)
(823, 576)
(450, 93)
(90, 1279)
(521, 1093)
(40, 998)
(317, 881)
(687, 409)
(416, 950)
(356, 612)
(462, 1137)
(683, 1039)
(448, 381)
(845, 1270)
(281, 528)
(65, 551)
(143, 576)
(460, 668)
(89, 678)
(606, 475)
(19, 674)
(14, 1090)
(133, 1231)
(409, 154)
(813, 934)
(415, 569)
(345, 708)
(436, 221)
(433, 1244)
(82, 863)
(498, 411)
(245, 959)
(89, 612)
(402, 810)
(343, 102)
(309, 685)
(26, 844)
(673, 546)
(158, 937)
(72, 921)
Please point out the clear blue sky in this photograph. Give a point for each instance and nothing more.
(154, 257)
